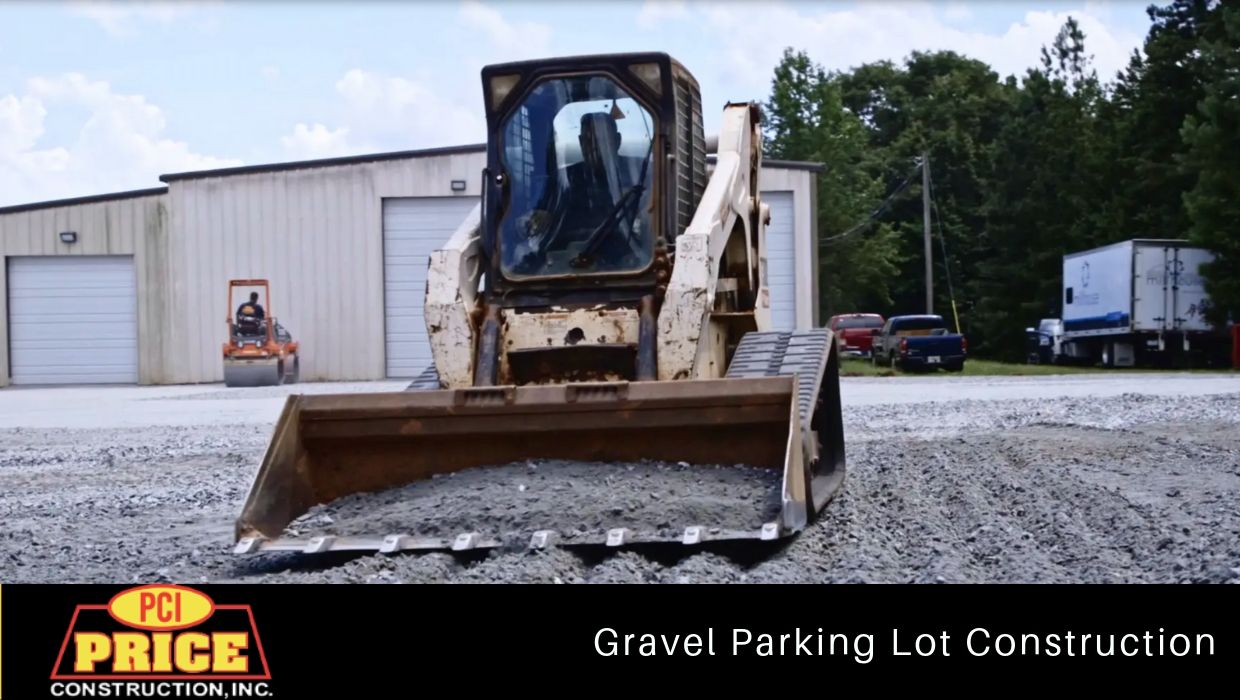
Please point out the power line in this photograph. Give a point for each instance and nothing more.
(877, 211)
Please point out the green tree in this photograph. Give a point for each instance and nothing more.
(806, 120)
(1024, 169)
(1040, 200)
(1212, 161)
(1152, 98)
(952, 107)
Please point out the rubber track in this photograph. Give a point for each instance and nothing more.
(427, 380)
(785, 353)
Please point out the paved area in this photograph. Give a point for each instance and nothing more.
(215, 404)
(858, 391)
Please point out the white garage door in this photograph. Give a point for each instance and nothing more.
(412, 229)
(781, 270)
(73, 320)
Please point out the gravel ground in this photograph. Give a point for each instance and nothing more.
(1122, 488)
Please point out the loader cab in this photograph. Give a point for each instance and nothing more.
(594, 166)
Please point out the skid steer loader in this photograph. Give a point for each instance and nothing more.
(607, 301)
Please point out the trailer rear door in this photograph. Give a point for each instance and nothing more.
(1190, 292)
(1168, 291)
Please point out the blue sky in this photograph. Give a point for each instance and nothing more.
(99, 97)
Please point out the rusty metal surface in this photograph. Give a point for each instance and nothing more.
(573, 363)
(329, 446)
(647, 367)
(487, 367)
(779, 408)
(556, 328)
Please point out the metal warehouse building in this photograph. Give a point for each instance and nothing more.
(131, 288)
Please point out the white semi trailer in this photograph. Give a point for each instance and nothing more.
(1140, 302)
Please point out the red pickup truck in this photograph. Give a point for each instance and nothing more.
(855, 332)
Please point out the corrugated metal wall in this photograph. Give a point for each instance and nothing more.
(315, 232)
(130, 226)
(317, 235)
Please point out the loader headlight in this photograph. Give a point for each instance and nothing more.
(650, 75)
(501, 85)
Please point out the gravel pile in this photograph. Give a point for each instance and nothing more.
(1124, 489)
(576, 499)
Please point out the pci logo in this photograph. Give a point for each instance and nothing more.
(161, 641)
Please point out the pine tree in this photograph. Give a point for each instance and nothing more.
(1212, 137)
(1042, 193)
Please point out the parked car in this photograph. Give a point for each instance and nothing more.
(919, 342)
(1044, 343)
(855, 332)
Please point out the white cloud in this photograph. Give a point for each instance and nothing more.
(21, 122)
(655, 13)
(121, 19)
(513, 41)
(119, 143)
(317, 141)
(958, 11)
(382, 113)
(376, 112)
(751, 38)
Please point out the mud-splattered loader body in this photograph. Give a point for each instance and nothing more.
(606, 301)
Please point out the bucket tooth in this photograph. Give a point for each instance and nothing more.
(466, 541)
(543, 539)
(248, 545)
(618, 536)
(693, 535)
(319, 544)
(393, 543)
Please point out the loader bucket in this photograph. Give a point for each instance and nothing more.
(329, 447)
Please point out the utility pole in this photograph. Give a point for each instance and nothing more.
(925, 206)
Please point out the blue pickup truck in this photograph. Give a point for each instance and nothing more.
(919, 342)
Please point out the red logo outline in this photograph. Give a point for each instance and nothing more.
(201, 677)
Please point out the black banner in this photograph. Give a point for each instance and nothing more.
(294, 641)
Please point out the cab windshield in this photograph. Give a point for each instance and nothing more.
(578, 155)
(929, 323)
(866, 322)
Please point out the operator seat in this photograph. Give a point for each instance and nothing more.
(248, 323)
